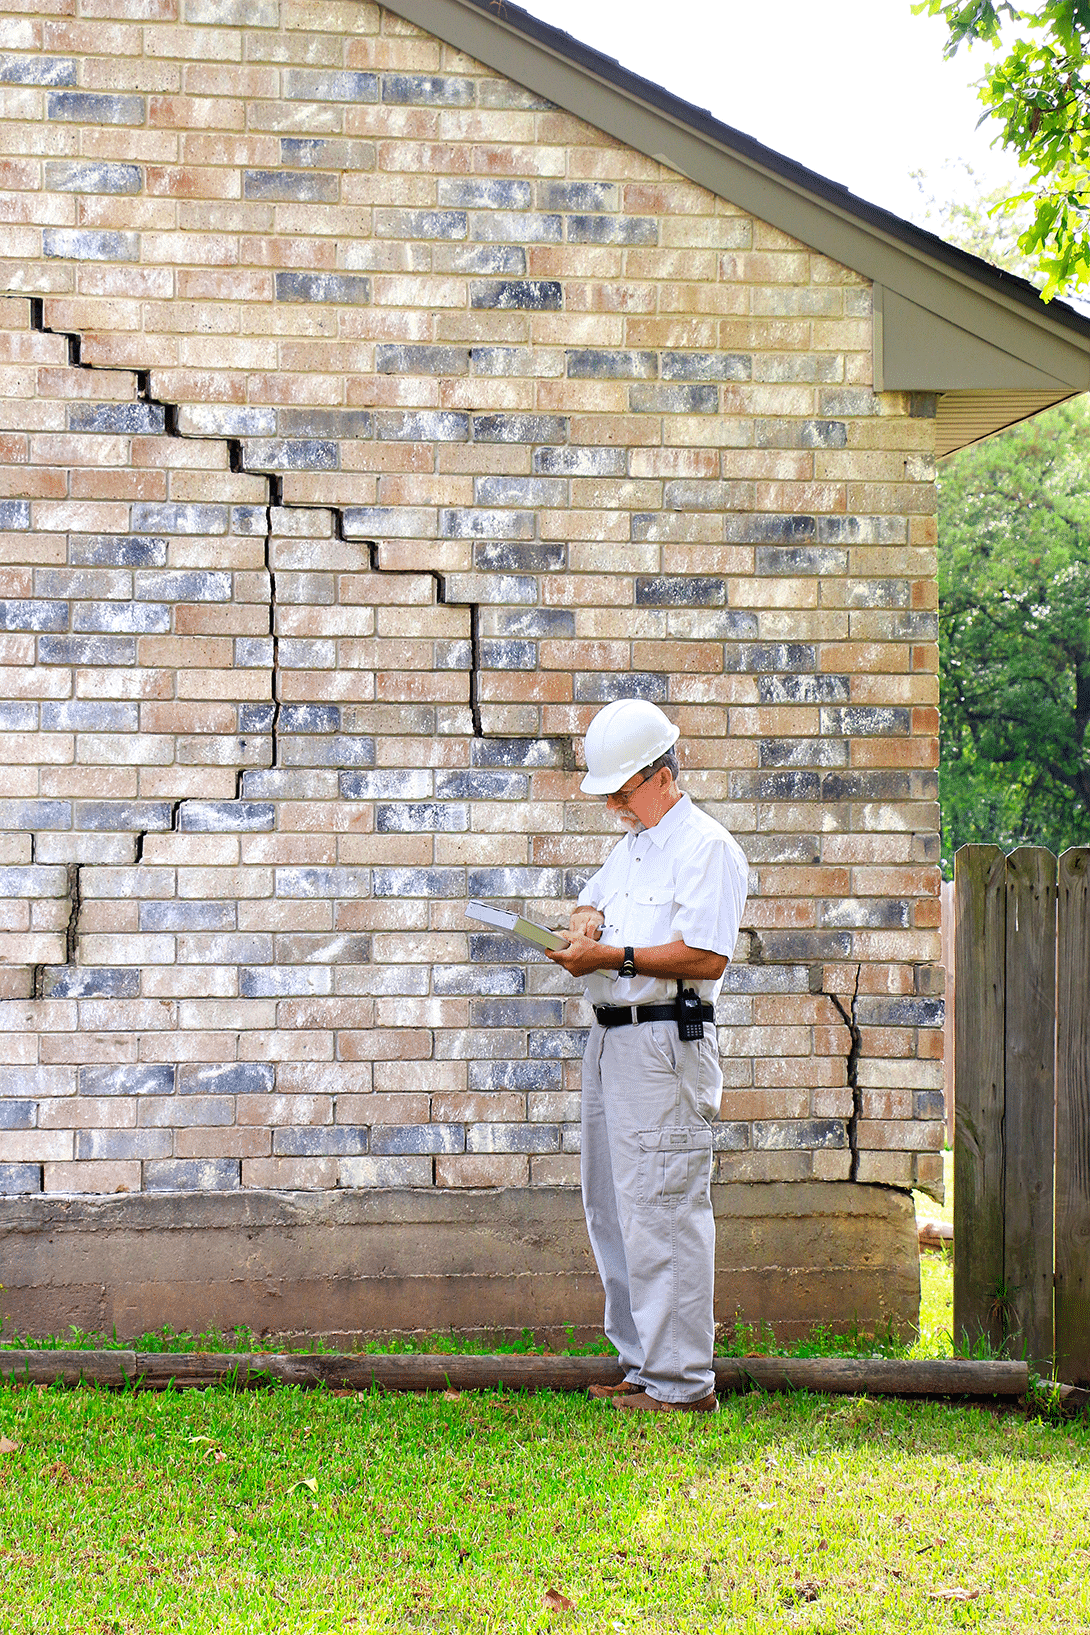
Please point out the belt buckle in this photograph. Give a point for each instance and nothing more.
(632, 1009)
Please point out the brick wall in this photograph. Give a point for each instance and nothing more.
(366, 423)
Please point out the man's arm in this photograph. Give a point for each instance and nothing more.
(667, 959)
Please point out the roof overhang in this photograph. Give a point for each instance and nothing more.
(945, 321)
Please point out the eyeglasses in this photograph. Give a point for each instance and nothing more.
(623, 796)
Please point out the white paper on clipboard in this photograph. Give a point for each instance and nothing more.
(538, 936)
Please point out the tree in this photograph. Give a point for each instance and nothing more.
(1014, 631)
(1039, 93)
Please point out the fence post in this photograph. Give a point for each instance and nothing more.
(1073, 1120)
(980, 941)
(1029, 1126)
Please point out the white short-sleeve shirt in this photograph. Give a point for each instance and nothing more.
(686, 878)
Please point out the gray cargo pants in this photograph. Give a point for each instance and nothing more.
(648, 1102)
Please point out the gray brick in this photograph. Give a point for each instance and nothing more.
(93, 982)
(193, 1175)
(469, 1044)
(581, 462)
(518, 752)
(90, 244)
(520, 428)
(538, 621)
(144, 1080)
(743, 529)
(787, 786)
(804, 752)
(500, 259)
(593, 687)
(314, 1140)
(289, 454)
(485, 523)
(429, 818)
(521, 557)
(867, 721)
(862, 530)
(421, 360)
(14, 515)
(388, 1140)
(517, 227)
(869, 913)
(389, 522)
(284, 981)
(33, 615)
(221, 948)
(323, 883)
(531, 294)
(181, 585)
(508, 655)
(179, 518)
(385, 785)
(33, 881)
(16, 1179)
(35, 814)
(528, 492)
(16, 717)
(233, 13)
(342, 749)
(878, 593)
(799, 559)
(38, 71)
(758, 656)
(323, 423)
(94, 108)
(342, 289)
(121, 618)
(195, 1111)
(662, 399)
(824, 689)
(321, 153)
(516, 1013)
(69, 582)
(836, 786)
(91, 176)
(513, 882)
(123, 1143)
(482, 785)
(722, 625)
(678, 591)
(419, 882)
(801, 434)
(513, 1138)
(479, 979)
(422, 426)
(303, 186)
(187, 916)
(116, 816)
(706, 366)
(320, 85)
(116, 551)
(928, 1104)
(324, 948)
(502, 360)
(421, 224)
(880, 1011)
(491, 1075)
(128, 419)
(613, 230)
(495, 948)
(591, 363)
(88, 715)
(18, 1115)
(432, 90)
(228, 1079)
(249, 521)
(786, 1135)
(835, 401)
(492, 193)
(310, 718)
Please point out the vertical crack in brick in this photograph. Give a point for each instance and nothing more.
(75, 904)
(274, 502)
(852, 1070)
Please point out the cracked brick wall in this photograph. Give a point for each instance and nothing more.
(365, 424)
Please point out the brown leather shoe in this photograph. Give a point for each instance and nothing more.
(602, 1393)
(647, 1404)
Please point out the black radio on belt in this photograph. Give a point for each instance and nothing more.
(688, 1012)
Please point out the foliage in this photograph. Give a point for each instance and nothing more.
(957, 209)
(1014, 634)
(1039, 94)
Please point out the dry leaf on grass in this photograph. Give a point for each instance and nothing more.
(7, 1446)
(310, 1482)
(557, 1602)
(953, 1593)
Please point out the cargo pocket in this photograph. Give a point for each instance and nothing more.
(675, 1163)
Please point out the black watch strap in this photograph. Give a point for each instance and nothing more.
(628, 963)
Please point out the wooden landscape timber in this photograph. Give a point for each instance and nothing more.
(162, 1370)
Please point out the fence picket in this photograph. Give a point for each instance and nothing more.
(980, 955)
(1073, 1120)
(1030, 1100)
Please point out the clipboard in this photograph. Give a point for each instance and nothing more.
(528, 931)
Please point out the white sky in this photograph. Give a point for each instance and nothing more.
(855, 89)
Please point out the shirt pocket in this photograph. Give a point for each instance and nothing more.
(647, 916)
(675, 1164)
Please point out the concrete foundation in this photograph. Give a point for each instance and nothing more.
(345, 1264)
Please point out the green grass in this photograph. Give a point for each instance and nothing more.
(304, 1513)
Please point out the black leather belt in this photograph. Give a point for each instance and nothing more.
(622, 1016)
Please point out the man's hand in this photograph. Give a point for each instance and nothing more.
(584, 954)
(586, 922)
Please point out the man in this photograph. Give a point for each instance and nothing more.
(665, 905)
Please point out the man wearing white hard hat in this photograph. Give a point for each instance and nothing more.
(652, 935)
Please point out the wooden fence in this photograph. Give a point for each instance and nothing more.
(1022, 1124)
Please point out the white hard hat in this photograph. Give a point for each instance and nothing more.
(621, 740)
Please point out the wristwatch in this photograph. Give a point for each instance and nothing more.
(628, 964)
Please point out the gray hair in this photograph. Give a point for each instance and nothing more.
(669, 761)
